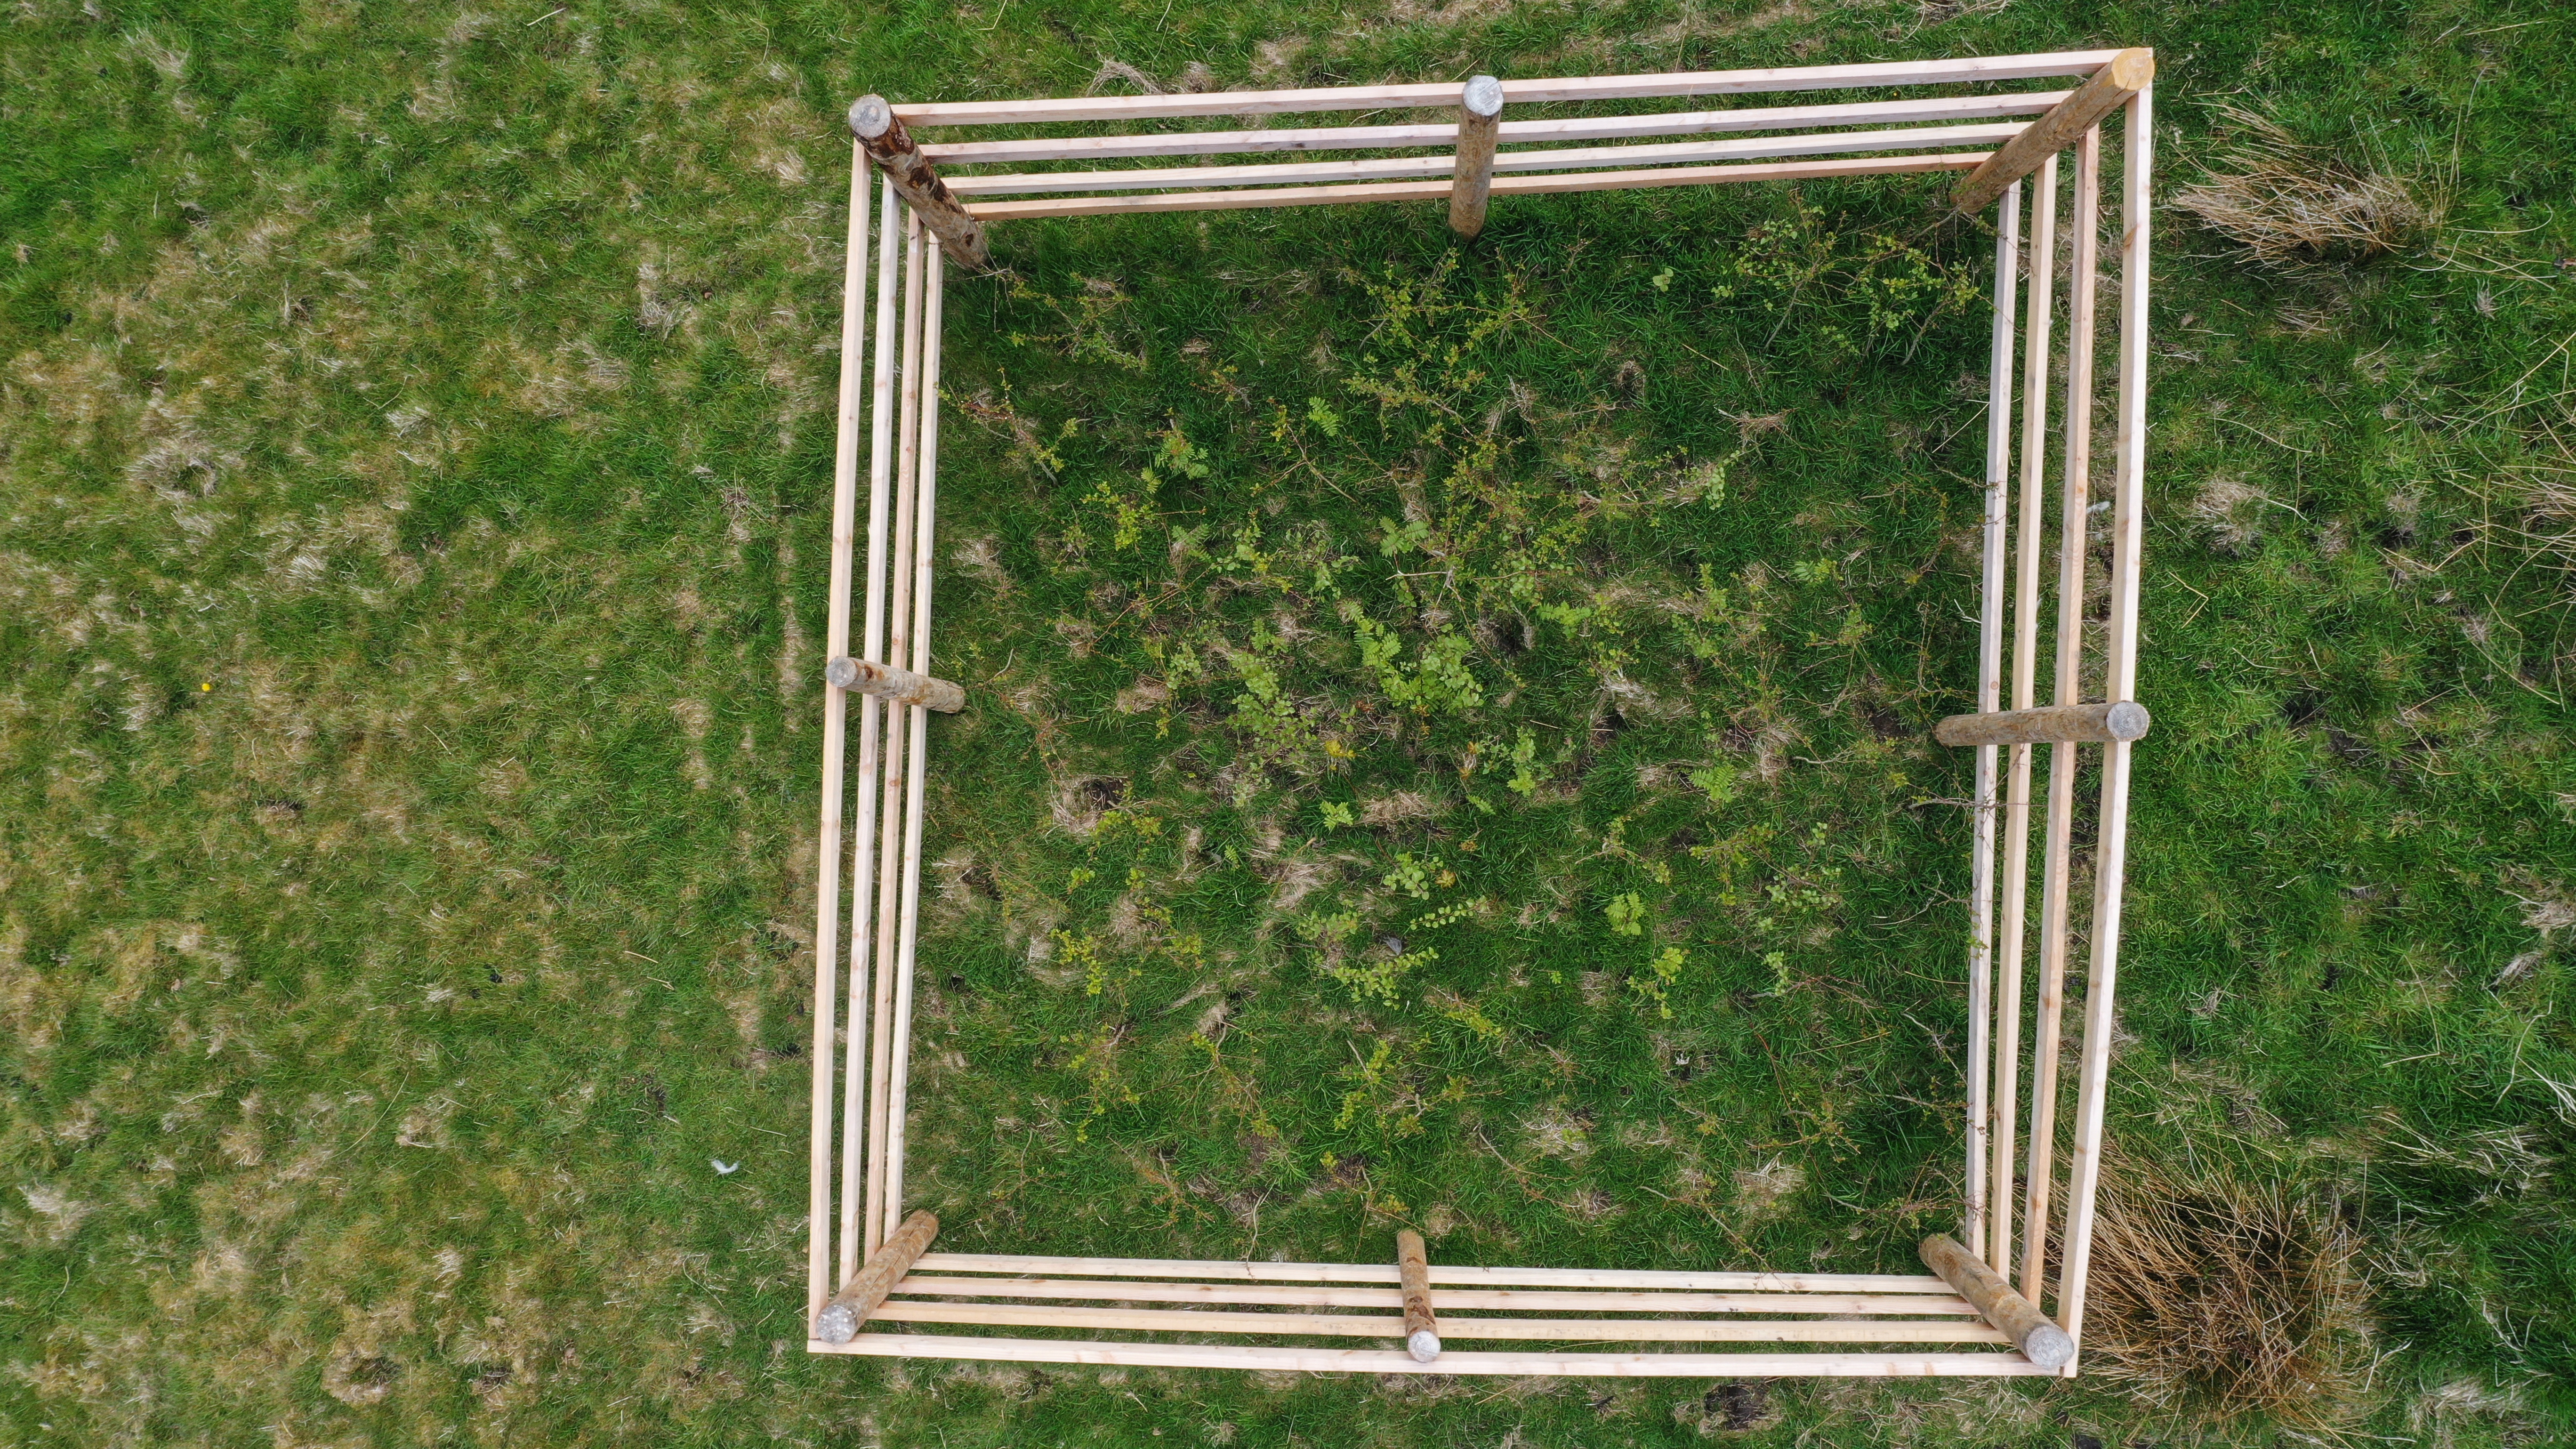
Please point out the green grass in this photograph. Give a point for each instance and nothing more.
(415, 440)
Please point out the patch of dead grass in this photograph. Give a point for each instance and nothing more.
(2218, 1299)
(2293, 204)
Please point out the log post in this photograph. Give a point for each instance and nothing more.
(896, 685)
(1413, 1270)
(2108, 90)
(2042, 1342)
(840, 1319)
(889, 145)
(1480, 111)
(2049, 724)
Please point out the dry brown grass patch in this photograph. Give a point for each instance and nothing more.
(2219, 1299)
(2293, 204)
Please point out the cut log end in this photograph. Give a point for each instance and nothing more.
(2049, 1347)
(870, 117)
(1424, 1345)
(836, 1323)
(2131, 69)
(1483, 96)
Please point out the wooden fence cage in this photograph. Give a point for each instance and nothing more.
(1979, 1310)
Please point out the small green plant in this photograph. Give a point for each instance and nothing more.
(1627, 913)
(1336, 815)
(1655, 983)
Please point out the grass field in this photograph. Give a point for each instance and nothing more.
(1448, 748)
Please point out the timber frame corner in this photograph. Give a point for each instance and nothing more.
(1979, 1311)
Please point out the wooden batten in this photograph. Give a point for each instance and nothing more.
(2048, 724)
(840, 1319)
(895, 685)
(2042, 1342)
(1275, 1325)
(1396, 1361)
(1444, 134)
(1480, 110)
(891, 147)
(1402, 168)
(1502, 186)
(1449, 1274)
(1391, 1297)
(2110, 88)
(1969, 70)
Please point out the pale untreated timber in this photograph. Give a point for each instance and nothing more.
(2128, 476)
(1398, 168)
(917, 773)
(2039, 312)
(1352, 1325)
(1990, 644)
(896, 685)
(1256, 1271)
(2110, 88)
(1511, 133)
(1392, 1297)
(840, 1319)
(858, 1106)
(1413, 1273)
(1480, 109)
(1503, 186)
(2057, 857)
(1971, 70)
(2042, 1342)
(891, 147)
(1396, 1361)
(2048, 724)
(888, 909)
(827, 886)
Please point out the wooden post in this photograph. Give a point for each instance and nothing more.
(2108, 90)
(1413, 1274)
(896, 685)
(891, 147)
(1480, 110)
(2042, 1342)
(2049, 724)
(840, 1319)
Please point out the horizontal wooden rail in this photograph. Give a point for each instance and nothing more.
(1391, 168)
(1965, 71)
(1530, 1300)
(1510, 133)
(1396, 1361)
(2048, 724)
(1451, 1328)
(1503, 186)
(1250, 1271)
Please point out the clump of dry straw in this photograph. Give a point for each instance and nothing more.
(2218, 1299)
(2293, 204)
